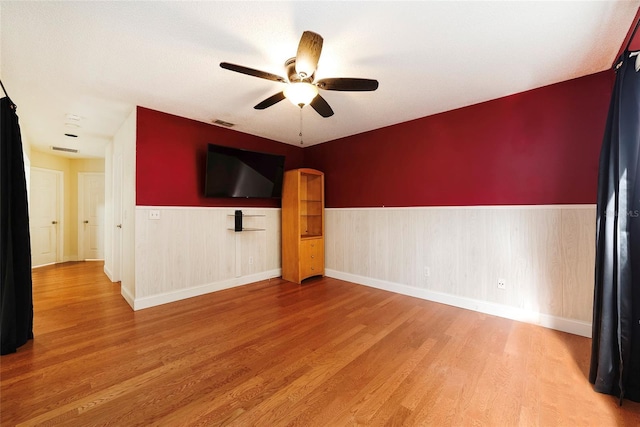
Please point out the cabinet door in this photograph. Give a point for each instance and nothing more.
(311, 258)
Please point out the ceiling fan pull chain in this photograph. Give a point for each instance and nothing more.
(301, 126)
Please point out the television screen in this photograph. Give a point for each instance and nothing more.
(232, 172)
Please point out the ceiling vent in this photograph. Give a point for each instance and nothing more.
(66, 150)
(223, 123)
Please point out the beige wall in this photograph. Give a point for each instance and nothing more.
(70, 168)
(26, 146)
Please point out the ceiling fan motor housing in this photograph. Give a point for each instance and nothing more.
(292, 74)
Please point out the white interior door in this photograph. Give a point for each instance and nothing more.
(91, 216)
(117, 217)
(45, 216)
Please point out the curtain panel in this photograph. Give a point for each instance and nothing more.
(16, 303)
(615, 353)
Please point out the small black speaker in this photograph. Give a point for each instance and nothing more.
(238, 224)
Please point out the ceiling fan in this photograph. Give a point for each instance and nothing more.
(301, 88)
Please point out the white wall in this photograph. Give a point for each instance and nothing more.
(456, 256)
(128, 288)
(27, 174)
(124, 146)
(191, 251)
(109, 224)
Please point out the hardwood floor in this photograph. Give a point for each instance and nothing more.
(327, 353)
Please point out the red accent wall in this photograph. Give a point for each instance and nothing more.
(635, 43)
(532, 148)
(171, 159)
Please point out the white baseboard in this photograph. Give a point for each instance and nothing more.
(69, 258)
(43, 265)
(108, 272)
(571, 326)
(127, 296)
(165, 298)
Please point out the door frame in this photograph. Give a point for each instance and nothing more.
(81, 178)
(60, 202)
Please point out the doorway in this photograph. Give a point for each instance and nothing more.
(91, 213)
(117, 217)
(46, 220)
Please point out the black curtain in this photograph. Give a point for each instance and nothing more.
(615, 351)
(16, 303)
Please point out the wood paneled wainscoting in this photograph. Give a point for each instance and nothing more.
(327, 353)
(457, 255)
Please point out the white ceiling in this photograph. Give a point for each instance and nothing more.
(98, 60)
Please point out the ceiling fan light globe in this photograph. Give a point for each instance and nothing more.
(301, 93)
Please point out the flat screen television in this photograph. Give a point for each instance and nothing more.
(232, 172)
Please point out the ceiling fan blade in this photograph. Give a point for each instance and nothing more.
(274, 99)
(252, 72)
(321, 106)
(308, 54)
(348, 84)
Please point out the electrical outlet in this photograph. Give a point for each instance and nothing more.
(250, 260)
(154, 214)
(502, 284)
(427, 272)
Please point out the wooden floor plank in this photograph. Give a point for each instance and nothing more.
(327, 353)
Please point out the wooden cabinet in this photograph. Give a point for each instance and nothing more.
(311, 258)
(302, 224)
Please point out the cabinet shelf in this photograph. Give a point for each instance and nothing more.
(255, 225)
(310, 236)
